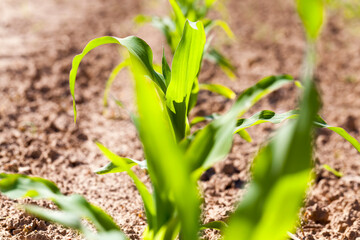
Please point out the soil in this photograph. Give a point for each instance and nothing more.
(38, 40)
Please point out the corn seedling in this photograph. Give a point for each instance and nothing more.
(175, 158)
(194, 10)
(172, 28)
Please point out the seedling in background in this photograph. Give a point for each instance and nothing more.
(175, 159)
(194, 10)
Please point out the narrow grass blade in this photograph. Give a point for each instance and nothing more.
(219, 89)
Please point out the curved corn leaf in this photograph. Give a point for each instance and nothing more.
(280, 178)
(17, 186)
(267, 116)
(179, 16)
(321, 123)
(140, 54)
(312, 14)
(219, 89)
(265, 86)
(218, 225)
(73, 209)
(212, 143)
(111, 79)
(332, 170)
(245, 135)
(204, 118)
(222, 24)
(119, 164)
(64, 218)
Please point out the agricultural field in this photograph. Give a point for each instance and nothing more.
(206, 129)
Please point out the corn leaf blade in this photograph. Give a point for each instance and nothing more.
(159, 147)
(138, 49)
(219, 89)
(280, 175)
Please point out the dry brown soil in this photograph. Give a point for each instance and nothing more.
(38, 40)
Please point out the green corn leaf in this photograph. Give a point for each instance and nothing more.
(64, 218)
(111, 79)
(141, 19)
(209, 3)
(179, 16)
(111, 235)
(219, 89)
(245, 135)
(212, 143)
(186, 63)
(267, 116)
(79, 206)
(17, 186)
(166, 71)
(204, 118)
(312, 14)
(321, 123)
(72, 208)
(223, 62)
(219, 23)
(120, 164)
(265, 86)
(264, 117)
(193, 95)
(332, 170)
(281, 173)
(140, 54)
(165, 161)
(218, 225)
(185, 68)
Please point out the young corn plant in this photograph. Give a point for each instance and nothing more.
(175, 159)
(172, 28)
